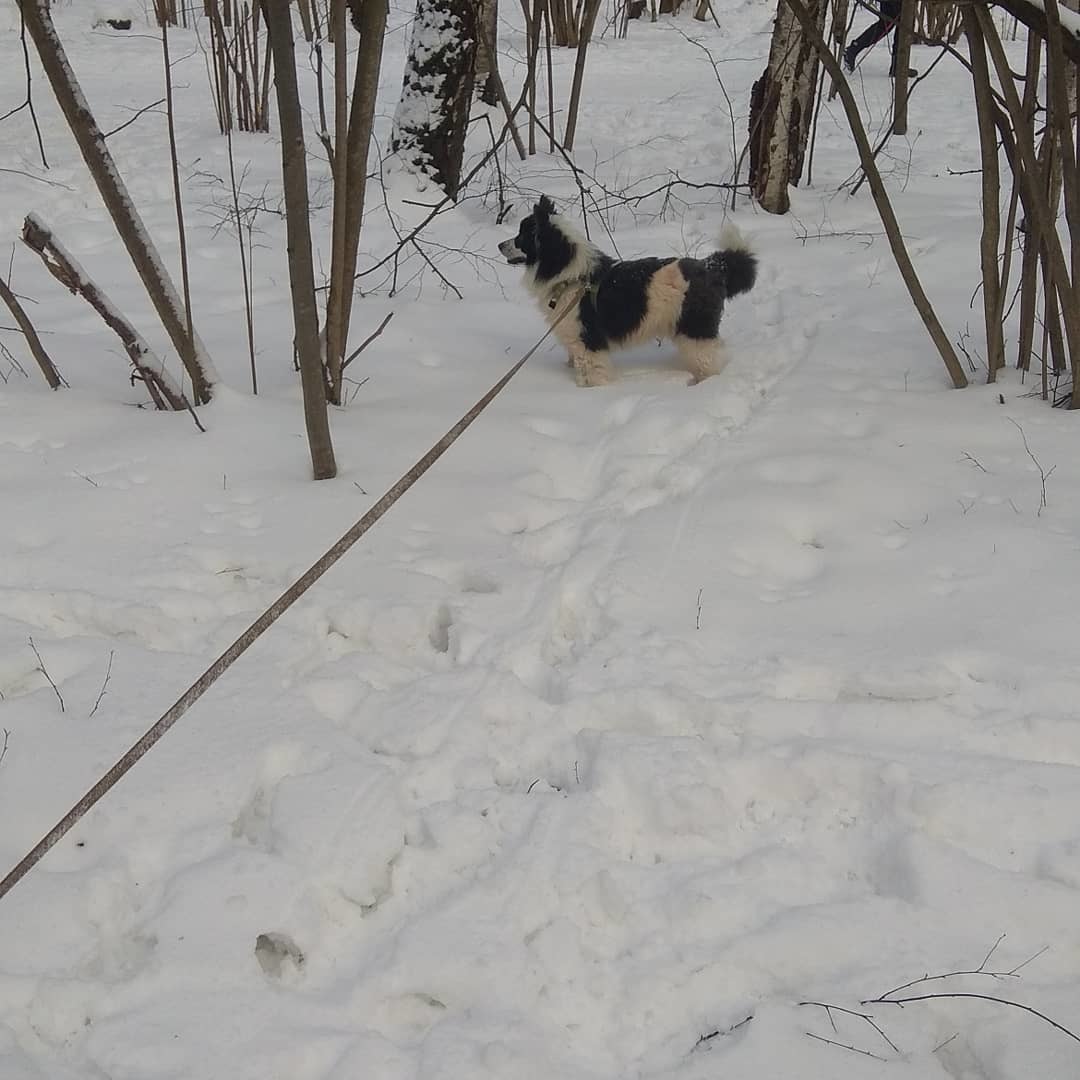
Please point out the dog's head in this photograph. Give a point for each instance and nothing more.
(524, 249)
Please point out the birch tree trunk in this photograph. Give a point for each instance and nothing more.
(781, 108)
(433, 114)
(298, 239)
(151, 270)
(487, 59)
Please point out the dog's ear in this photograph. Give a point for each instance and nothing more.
(544, 208)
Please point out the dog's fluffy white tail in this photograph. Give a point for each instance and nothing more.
(731, 239)
(738, 260)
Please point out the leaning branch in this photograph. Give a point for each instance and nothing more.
(44, 361)
(91, 142)
(881, 198)
(39, 239)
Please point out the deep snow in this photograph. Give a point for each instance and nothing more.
(651, 709)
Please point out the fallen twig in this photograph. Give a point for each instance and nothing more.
(104, 685)
(48, 678)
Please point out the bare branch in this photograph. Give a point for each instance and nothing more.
(48, 678)
(367, 341)
(104, 685)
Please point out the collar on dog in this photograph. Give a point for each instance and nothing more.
(587, 287)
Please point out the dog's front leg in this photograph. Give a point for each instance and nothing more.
(592, 368)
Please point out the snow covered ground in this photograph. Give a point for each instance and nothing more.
(650, 710)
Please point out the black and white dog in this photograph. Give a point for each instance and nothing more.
(622, 303)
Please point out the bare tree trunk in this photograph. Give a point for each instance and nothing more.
(838, 33)
(148, 368)
(432, 116)
(781, 107)
(905, 27)
(44, 361)
(810, 22)
(339, 296)
(1045, 231)
(155, 278)
(991, 193)
(298, 239)
(592, 7)
(487, 60)
(353, 189)
(1029, 283)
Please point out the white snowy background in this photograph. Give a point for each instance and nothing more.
(650, 709)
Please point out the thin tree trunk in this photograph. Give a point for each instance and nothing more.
(338, 296)
(155, 278)
(1029, 278)
(181, 229)
(298, 239)
(809, 22)
(592, 7)
(487, 48)
(33, 342)
(1044, 224)
(991, 193)
(905, 26)
(39, 238)
(432, 116)
(372, 27)
(838, 33)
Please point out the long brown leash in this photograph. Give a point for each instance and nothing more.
(262, 624)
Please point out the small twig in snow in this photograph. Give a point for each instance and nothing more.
(367, 341)
(977, 464)
(830, 1009)
(4, 747)
(697, 623)
(846, 1046)
(48, 677)
(1044, 474)
(104, 685)
(980, 970)
(719, 1032)
(974, 997)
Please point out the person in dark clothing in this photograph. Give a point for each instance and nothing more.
(888, 15)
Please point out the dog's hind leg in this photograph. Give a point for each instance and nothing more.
(702, 357)
(592, 368)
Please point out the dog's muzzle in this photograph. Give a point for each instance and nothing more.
(509, 250)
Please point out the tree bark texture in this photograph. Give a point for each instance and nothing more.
(432, 116)
(782, 106)
(33, 342)
(809, 21)
(298, 239)
(39, 238)
(155, 278)
(352, 192)
(991, 195)
(905, 28)
(487, 60)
